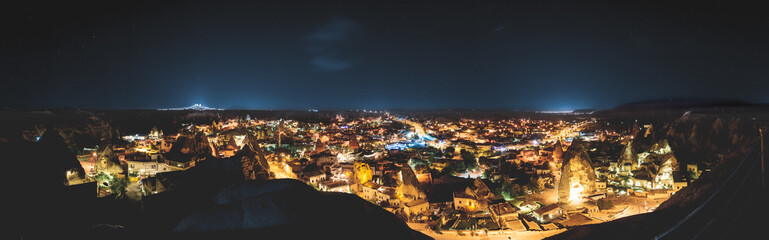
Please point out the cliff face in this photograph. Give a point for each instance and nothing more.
(577, 174)
(704, 139)
(708, 139)
(101, 130)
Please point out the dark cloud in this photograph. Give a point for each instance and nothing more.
(329, 45)
(329, 64)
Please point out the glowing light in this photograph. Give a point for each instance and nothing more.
(363, 172)
(196, 107)
(239, 140)
(575, 193)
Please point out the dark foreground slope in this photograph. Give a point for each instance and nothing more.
(291, 209)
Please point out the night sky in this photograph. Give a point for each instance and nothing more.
(380, 54)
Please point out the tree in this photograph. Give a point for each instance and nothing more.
(449, 152)
(118, 187)
(693, 175)
(514, 170)
(604, 204)
(103, 178)
(454, 167)
(518, 191)
(421, 169)
(486, 174)
(115, 185)
(438, 154)
(418, 162)
(506, 190)
(469, 159)
(511, 190)
(625, 179)
(536, 184)
(430, 159)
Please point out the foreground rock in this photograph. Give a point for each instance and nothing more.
(289, 208)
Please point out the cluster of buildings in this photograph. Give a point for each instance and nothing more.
(396, 162)
(647, 167)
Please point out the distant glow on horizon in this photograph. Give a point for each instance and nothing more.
(556, 111)
(196, 107)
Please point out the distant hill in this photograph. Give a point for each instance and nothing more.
(681, 104)
(584, 111)
(671, 109)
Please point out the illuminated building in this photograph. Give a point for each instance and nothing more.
(416, 207)
(475, 198)
(335, 186)
(547, 213)
(314, 178)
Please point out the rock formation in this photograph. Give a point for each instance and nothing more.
(255, 166)
(577, 175)
(410, 186)
(289, 209)
(100, 130)
(558, 151)
(108, 161)
(363, 172)
(481, 191)
(629, 156)
(52, 151)
(667, 167)
(662, 147)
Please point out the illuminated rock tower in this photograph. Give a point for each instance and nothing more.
(577, 176)
(558, 151)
